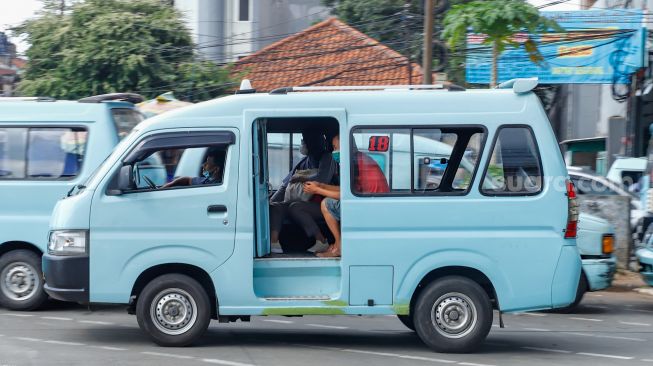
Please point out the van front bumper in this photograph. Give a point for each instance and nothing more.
(645, 258)
(66, 277)
(599, 272)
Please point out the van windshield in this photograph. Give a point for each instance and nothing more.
(125, 119)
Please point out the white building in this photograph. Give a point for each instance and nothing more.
(226, 30)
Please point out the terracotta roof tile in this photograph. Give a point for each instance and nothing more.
(328, 53)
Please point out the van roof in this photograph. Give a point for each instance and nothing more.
(493, 104)
(55, 111)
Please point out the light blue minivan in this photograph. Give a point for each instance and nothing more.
(477, 214)
(47, 147)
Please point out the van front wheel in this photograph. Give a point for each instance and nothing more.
(174, 310)
(453, 314)
(21, 284)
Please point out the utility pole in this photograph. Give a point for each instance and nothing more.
(404, 21)
(427, 58)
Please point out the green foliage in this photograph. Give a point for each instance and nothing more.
(104, 46)
(500, 20)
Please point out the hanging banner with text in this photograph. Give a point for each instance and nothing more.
(597, 46)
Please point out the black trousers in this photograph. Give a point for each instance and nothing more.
(304, 214)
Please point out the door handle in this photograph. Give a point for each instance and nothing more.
(216, 209)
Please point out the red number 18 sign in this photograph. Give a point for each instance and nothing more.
(379, 143)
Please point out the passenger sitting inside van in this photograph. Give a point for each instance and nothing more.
(369, 178)
(211, 170)
(289, 200)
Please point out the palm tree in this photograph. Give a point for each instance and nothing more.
(499, 21)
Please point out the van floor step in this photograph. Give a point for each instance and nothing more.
(291, 298)
(291, 256)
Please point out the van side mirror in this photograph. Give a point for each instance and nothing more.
(125, 181)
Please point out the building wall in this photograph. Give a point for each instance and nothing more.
(223, 34)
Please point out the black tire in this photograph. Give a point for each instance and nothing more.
(178, 292)
(407, 320)
(453, 296)
(21, 281)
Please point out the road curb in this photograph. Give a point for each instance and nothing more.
(644, 290)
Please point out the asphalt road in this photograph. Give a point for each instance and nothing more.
(610, 328)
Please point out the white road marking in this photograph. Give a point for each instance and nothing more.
(327, 326)
(605, 356)
(473, 364)
(278, 321)
(55, 318)
(531, 314)
(17, 315)
(537, 329)
(597, 295)
(596, 307)
(396, 355)
(586, 319)
(547, 349)
(111, 348)
(634, 323)
(647, 360)
(169, 355)
(496, 325)
(95, 322)
(28, 339)
(225, 362)
(640, 310)
(65, 343)
(607, 336)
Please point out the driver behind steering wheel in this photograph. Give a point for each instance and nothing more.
(211, 171)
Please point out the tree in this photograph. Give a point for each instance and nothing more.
(104, 46)
(499, 21)
(399, 24)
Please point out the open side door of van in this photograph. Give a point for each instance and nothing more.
(261, 188)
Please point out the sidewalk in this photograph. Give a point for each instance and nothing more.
(629, 281)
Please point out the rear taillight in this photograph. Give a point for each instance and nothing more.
(572, 212)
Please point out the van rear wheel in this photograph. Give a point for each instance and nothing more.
(21, 284)
(174, 310)
(453, 314)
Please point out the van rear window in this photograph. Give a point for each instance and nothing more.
(418, 160)
(125, 119)
(41, 153)
(515, 166)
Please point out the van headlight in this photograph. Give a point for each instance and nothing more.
(68, 242)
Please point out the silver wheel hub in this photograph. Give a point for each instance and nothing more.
(19, 281)
(173, 311)
(454, 315)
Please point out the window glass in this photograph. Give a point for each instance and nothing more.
(591, 186)
(167, 168)
(125, 120)
(414, 161)
(13, 142)
(243, 10)
(432, 151)
(514, 166)
(55, 152)
(278, 158)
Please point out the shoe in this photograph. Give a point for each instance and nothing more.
(276, 248)
(319, 246)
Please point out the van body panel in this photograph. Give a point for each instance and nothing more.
(133, 232)
(28, 203)
(515, 241)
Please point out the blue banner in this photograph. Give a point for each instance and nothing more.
(597, 46)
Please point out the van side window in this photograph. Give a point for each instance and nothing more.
(41, 153)
(125, 120)
(418, 160)
(514, 167)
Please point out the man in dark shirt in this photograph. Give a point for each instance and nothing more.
(211, 171)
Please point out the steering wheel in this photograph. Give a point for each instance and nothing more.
(149, 182)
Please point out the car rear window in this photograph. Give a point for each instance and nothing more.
(125, 119)
(515, 166)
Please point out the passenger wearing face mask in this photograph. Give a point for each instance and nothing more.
(211, 171)
(316, 156)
